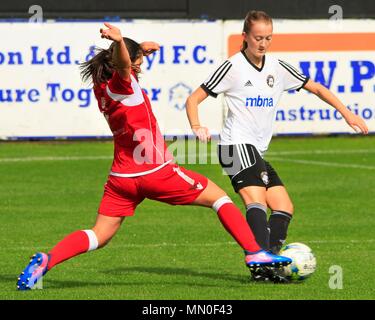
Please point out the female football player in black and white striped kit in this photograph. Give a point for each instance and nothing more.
(252, 83)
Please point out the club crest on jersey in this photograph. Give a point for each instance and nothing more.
(270, 81)
(264, 177)
(178, 95)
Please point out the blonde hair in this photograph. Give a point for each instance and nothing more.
(251, 17)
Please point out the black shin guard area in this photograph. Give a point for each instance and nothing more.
(278, 223)
(257, 219)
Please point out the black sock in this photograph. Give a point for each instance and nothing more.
(278, 223)
(256, 216)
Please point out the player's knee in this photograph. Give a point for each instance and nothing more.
(210, 195)
(290, 208)
(103, 237)
(105, 229)
(257, 205)
(104, 242)
(286, 207)
(220, 202)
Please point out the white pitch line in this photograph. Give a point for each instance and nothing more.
(323, 163)
(203, 155)
(218, 244)
(298, 152)
(307, 152)
(342, 241)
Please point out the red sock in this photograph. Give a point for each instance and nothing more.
(72, 245)
(235, 223)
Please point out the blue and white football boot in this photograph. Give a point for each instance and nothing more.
(33, 272)
(263, 258)
(267, 267)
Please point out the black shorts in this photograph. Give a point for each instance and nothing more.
(245, 167)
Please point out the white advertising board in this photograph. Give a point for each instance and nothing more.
(42, 95)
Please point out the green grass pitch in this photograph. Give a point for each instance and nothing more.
(48, 190)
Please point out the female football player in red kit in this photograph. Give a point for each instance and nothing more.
(142, 166)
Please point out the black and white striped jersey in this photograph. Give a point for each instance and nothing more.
(252, 95)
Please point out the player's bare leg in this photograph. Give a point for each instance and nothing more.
(278, 199)
(105, 228)
(253, 194)
(208, 197)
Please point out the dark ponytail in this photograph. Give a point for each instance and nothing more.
(100, 68)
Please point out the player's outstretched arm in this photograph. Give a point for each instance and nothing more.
(121, 58)
(354, 121)
(192, 104)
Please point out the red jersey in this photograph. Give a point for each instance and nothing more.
(139, 146)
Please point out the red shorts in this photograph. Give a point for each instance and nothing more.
(171, 184)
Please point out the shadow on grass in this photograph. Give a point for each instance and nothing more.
(235, 280)
(167, 271)
(125, 277)
(51, 283)
(143, 276)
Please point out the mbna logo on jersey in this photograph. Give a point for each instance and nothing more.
(270, 81)
(259, 102)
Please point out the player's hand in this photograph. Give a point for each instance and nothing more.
(202, 133)
(112, 33)
(149, 47)
(357, 123)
